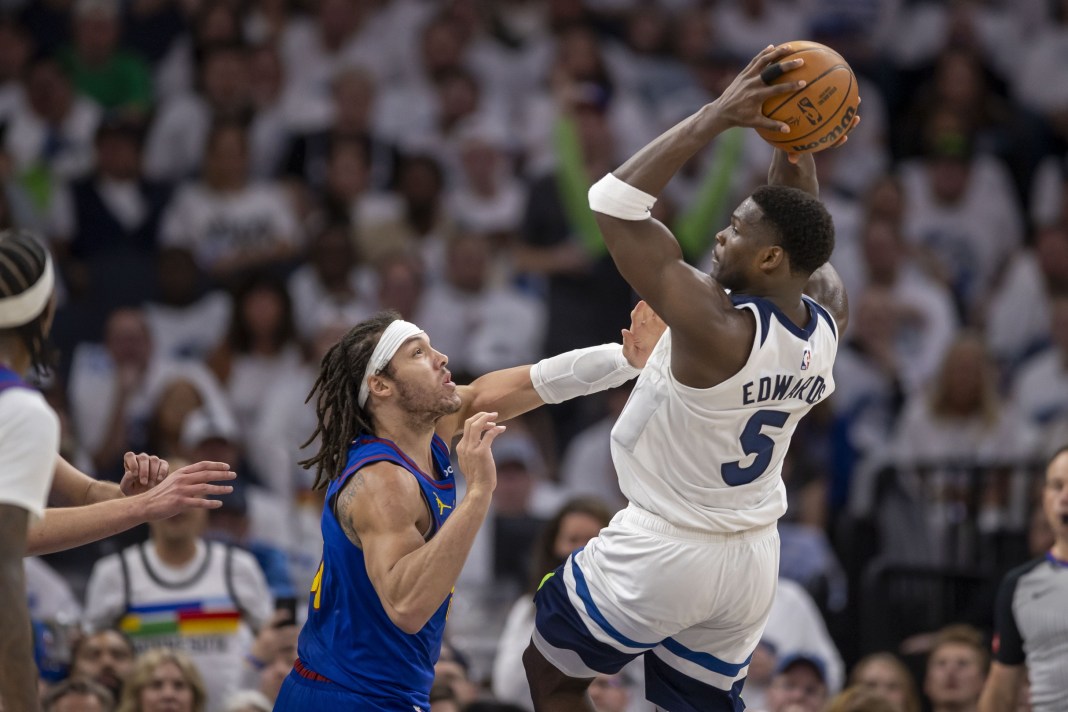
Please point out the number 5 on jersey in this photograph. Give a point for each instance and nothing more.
(754, 442)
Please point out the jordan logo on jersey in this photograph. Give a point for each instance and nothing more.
(441, 505)
(806, 359)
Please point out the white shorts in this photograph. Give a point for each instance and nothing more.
(694, 603)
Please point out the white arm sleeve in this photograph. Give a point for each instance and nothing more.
(581, 372)
(29, 443)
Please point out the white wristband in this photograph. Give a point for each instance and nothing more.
(581, 372)
(612, 196)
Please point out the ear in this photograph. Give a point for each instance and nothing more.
(771, 258)
(379, 385)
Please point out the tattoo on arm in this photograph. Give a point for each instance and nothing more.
(343, 503)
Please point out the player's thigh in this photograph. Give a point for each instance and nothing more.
(703, 667)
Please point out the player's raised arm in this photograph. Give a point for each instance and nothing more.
(825, 285)
(411, 576)
(646, 253)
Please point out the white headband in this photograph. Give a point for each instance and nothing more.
(392, 339)
(23, 308)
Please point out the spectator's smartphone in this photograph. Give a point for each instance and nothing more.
(289, 605)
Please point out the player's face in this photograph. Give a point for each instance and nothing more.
(735, 254)
(954, 675)
(1055, 497)
(423, 383)
(167, 691)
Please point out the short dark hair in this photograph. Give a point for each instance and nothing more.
(805, 228)
(23, 260)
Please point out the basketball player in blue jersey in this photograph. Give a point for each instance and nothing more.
(685, 575)
(394, 535)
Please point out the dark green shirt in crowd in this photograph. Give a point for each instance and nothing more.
(122, 82)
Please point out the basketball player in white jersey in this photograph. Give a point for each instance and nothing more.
(685, 575)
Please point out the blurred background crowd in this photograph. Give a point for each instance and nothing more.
(228, 185)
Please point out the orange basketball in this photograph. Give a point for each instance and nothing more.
(822, 111)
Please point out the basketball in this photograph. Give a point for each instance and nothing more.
(822, 111)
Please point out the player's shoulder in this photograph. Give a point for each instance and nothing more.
(377, 482)
(26, 410)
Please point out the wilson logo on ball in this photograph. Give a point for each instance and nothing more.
(819, 113)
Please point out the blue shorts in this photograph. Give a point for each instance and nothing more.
(299, 694)
(692, 604)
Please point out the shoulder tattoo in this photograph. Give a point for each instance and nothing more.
(343, 503)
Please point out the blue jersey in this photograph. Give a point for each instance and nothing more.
(348, 638)
(10, 379)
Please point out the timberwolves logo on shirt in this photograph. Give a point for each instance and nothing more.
(806, 359)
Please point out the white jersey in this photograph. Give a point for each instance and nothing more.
(711, 459)
(208, 608)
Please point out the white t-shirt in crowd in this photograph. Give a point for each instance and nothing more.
(219, 227)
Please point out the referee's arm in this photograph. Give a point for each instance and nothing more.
(1002, 687)
(1007, 671)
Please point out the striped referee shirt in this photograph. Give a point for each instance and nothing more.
(1031, 625)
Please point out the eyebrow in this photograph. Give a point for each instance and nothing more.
(418, 341)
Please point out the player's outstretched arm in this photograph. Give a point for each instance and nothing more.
(71, 487)
(18, 675)
(66, 527)
(513, 391)
(380, 507)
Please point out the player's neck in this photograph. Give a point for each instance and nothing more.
(13, 355)
(412, 439)
(787, 298)
(1060, 550)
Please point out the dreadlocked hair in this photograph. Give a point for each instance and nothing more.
(336, 393)
(22, 262)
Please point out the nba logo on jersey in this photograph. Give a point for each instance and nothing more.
(806, 359)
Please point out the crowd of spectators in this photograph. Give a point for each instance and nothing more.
(228, 185)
